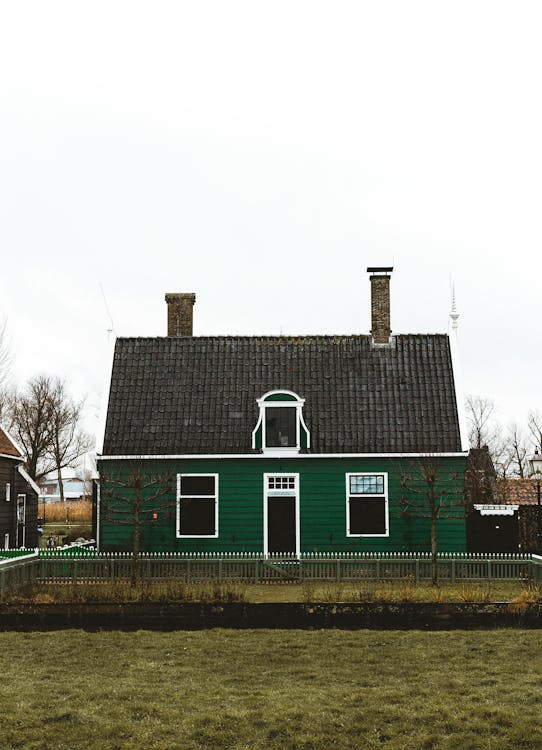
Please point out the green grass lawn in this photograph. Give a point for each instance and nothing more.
(271, 689)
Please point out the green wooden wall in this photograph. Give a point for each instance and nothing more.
(322, 505)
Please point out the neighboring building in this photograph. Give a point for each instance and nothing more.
(75, 487)
(284, 443)
(521, 495)
(517, 490)
(504, 512)
(18, 498)
(491, 526)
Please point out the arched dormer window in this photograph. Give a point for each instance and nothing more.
(281, 427)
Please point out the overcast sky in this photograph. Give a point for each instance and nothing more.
(262, 155)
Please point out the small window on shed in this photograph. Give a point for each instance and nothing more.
(366, 505)
(8, 492)
(197, 505)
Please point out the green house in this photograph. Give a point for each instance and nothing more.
(283, 444)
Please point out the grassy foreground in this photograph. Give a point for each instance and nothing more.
(281, 690)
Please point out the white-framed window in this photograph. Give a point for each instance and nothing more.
(21, 508)
(281, 427)
(367, 511)
(6, 541)
(8, 492)
(197, 506)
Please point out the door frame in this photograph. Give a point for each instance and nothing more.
(267, 493)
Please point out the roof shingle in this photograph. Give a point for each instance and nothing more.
(6, 445)
(197, 395)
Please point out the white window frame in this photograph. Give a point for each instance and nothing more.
(203, 497)
(23, 496)
(267, 493)
(297, 404)
(8, 492)
(23, 522)
(379, 495)
(6, 541)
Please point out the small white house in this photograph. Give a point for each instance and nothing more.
(75, 486)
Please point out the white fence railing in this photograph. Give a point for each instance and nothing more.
(84, 565)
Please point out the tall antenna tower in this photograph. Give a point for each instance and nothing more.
(454, 315)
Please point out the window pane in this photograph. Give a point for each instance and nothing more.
(197, 516)
(280, 427)
(203, 485)
(367, 515)
(371, 484)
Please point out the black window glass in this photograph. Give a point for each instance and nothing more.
(280, 427)
(367, 515)
(197, 516)
(203, 485)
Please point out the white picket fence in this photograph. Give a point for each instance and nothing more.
(74, 565)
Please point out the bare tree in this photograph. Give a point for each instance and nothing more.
(46, 422)
(430, 491)
(135, 497)
(480, 416)
(5, 370)
(518, 450)
(67, 441)
(534, 425)
(31, 414)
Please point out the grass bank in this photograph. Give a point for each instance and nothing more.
(178, 591)
(279, 690)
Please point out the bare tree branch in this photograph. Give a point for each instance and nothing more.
(429, 490)
(5, 371)
(534, 425)
(31, 413)
(67, 442)
(126, 500)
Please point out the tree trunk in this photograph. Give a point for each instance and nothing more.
(135, 545)
(61, 486)
(434, 568)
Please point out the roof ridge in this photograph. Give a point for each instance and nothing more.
(285, 337)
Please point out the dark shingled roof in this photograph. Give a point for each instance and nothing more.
(6, 446)
(198, 394)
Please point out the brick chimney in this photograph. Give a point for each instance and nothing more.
(380, 303)
(179, 313)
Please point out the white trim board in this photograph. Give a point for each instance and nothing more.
(14, 443)
(496, 510)
(29, 479)
(223, 456)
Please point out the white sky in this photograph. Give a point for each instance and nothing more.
(262, 155)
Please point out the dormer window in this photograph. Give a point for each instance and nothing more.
(281, 428)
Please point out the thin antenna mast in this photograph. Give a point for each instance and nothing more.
(111, 328)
